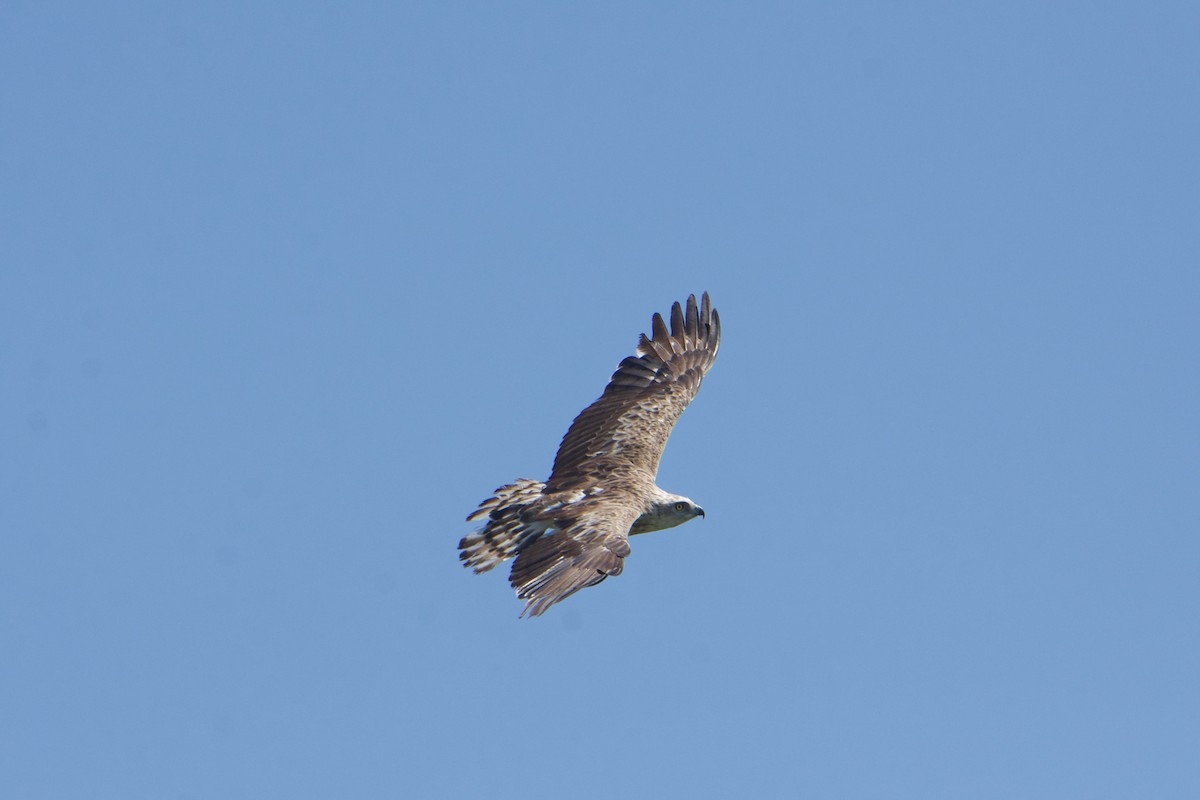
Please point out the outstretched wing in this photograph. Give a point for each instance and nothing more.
(589, 544)
(645, 397)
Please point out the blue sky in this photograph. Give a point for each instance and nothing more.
(286, 289)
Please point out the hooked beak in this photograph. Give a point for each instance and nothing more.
(699, 511)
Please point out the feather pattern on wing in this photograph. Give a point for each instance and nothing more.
(631, 422)
(588, 546)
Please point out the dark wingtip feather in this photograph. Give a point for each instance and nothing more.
(658, 328)
(678, 329)
(643, 346)
(692, 322)
(661, 338)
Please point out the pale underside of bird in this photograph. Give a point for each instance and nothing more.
(572, 530)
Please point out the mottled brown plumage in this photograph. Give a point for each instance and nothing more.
(573, 531)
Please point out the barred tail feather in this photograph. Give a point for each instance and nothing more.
(506, 530)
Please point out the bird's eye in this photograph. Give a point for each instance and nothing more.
(680, 506)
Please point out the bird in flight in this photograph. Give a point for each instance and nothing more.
(572, 531)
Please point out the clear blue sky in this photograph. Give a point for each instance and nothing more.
(286, 289)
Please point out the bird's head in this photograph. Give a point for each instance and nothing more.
(666, 511)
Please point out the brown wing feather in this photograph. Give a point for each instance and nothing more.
(630, 423)
(590, 546)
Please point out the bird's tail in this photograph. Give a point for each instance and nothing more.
(505, 529)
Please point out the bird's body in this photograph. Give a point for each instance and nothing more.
(572, 531)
